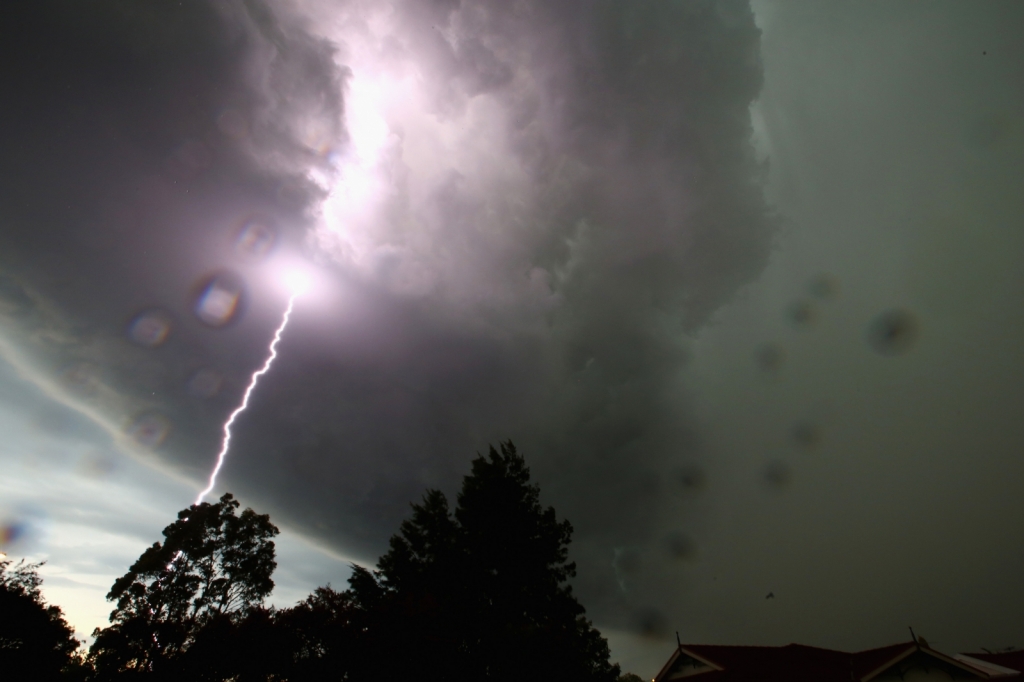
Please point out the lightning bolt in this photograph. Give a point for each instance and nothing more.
(226, 442)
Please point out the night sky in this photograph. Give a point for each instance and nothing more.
(742, 281)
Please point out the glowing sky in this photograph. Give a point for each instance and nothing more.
(742, 283)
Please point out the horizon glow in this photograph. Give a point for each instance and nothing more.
(297, 288)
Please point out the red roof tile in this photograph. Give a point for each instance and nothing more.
(1007, 659)
(799, 663)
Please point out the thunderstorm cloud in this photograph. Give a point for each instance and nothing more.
(519, 219)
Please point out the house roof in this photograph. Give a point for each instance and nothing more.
(800, 663)
(1007, 660)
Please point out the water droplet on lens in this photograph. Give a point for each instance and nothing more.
(96, 465)
(205, 383)
(893, 332)
(692, 477)
(219, 300)
(770, 357)
(81, 377)
(12, 533)
(803, 313)
(149, 430)
(778, 474)
(824, 286)
(256, 238)
(680, 546)
(651, 622)
(806, 434)
(150, 328)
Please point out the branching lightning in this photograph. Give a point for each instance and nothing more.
(226, 442)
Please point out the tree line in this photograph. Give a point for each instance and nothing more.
(478, 592)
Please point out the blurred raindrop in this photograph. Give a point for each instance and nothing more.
(149, 429)
(80, 377)
(150, 328)
(205, 382)
(806, 434)
(770, 357)
(692, 477)
(22, 530)
(681, 546)
(824, 286)
(893, 332)
(778, 474)
(803, 313)
(220, 299)
(96, 465)
(651, 622)
(12, 532)
(255, 238)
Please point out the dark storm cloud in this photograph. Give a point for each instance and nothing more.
(554, 287)
(538, 283)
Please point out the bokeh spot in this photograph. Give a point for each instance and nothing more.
(205, 382)
(824, 286)
(150, 328)
(11, 531)
(803, 313)
(692, 477)
(770, 357)
(22, 530)
(778, 474)
(149, 429)
(651, 622)
(220, 299)
(96, 465)
(681, 546)
(80, 377)
(255, 238)
(893, 332)
(806, 434)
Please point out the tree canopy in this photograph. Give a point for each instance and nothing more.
(481, 592)
(212, 565)
(33, 635)
(476, 592)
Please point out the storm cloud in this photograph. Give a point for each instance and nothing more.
(561, 195)
(747, 306)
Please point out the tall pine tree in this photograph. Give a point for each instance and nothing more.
(481, 593)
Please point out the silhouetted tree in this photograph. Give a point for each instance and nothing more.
(320, 634)
(478, 594)
(214, 567)
(34, 638)
(630, 677)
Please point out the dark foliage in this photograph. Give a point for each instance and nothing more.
(478, 594)
(33, 636)
(213, 568)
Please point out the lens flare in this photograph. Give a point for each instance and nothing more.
(226, 442)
